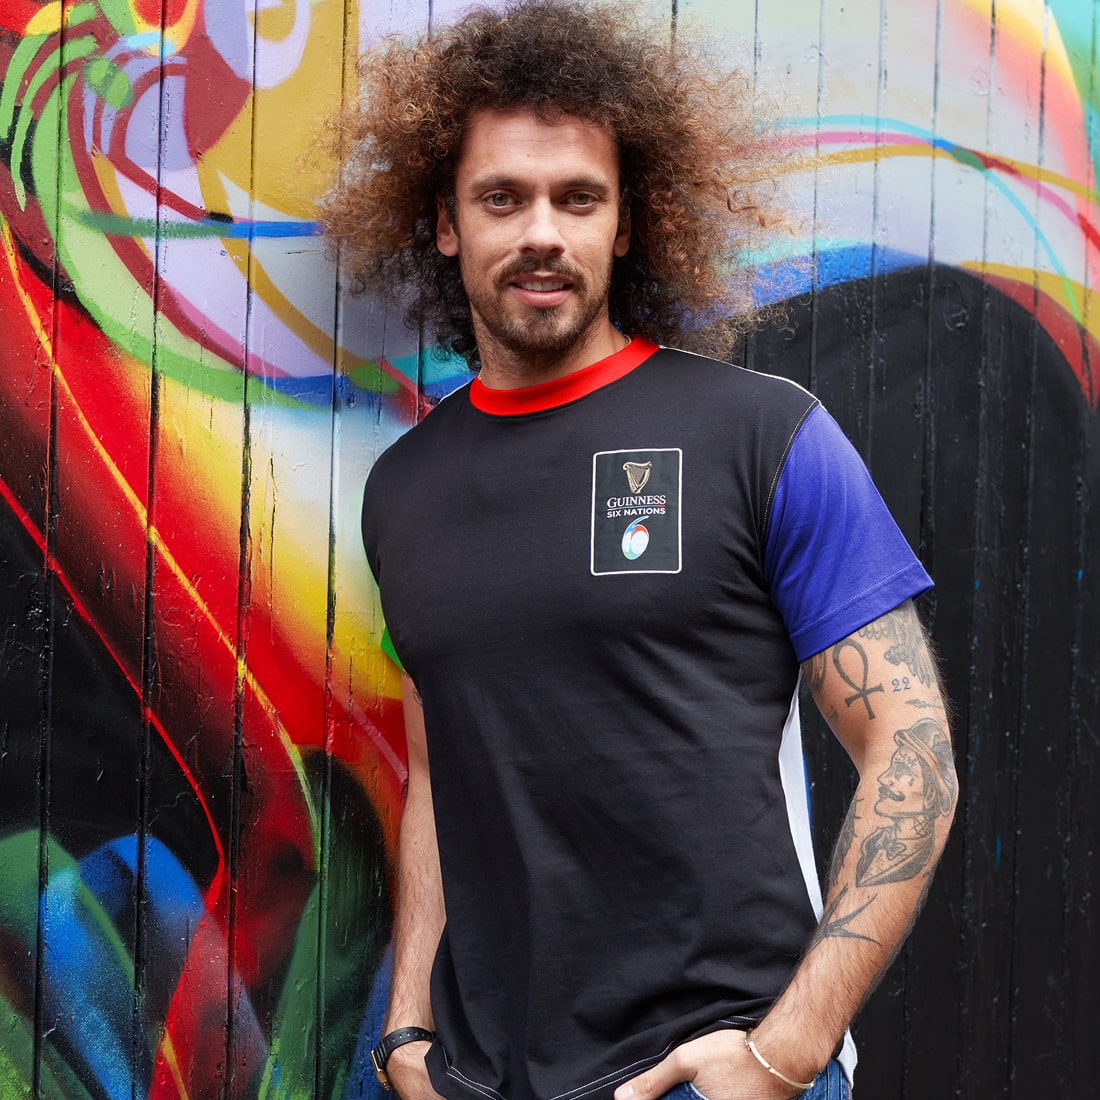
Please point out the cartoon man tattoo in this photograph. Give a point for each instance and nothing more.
(916, 789)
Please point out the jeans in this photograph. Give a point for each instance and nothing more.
(829, 1084)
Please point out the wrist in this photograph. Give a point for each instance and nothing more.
(788, 1071)
(391, 1044)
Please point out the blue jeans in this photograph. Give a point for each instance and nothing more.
(829, 1084)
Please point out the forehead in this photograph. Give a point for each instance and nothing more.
(518, 144)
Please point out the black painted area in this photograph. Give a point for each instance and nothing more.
(95, 723)
(983, 445)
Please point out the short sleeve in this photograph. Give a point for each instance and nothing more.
(834, 557)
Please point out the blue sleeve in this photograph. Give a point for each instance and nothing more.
(833, 556)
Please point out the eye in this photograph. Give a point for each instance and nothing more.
(498, 200)
(582, 198)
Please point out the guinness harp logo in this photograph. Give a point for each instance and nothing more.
(637, 473)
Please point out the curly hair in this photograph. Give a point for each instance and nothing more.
(697, 163)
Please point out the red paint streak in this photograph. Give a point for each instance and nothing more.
(216, 884)
(159, 13)
(1092, 234)
(16, 14)
(213, 96)
(1080, 347)
(194, 701)
(856, 137)
(117, 145)
(416, 405)
(198, 669)
(131, 252)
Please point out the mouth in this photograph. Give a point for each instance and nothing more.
(541, 290)
(885, 792)
(542, 286)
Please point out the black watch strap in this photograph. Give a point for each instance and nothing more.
(380, 1055)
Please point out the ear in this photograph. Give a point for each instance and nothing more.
(622, 238)
(446, 232)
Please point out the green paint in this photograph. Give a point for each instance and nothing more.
(21, 58)
(19, 910)
(339, 945)
(122, 309)
(16, 1058)
(58, 1081)
(968, 158)
(109, 82)
(369, 376)
(387, 648)
(81, 47)
(120, 15)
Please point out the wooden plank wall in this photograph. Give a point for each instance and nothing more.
(200, 744)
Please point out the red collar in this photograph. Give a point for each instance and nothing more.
(561, 391)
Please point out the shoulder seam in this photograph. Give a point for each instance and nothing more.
(814, 404)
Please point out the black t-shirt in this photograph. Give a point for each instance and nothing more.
(579, 580)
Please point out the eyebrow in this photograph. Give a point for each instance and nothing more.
(504, 183)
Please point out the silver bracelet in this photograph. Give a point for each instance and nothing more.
(770, 1068)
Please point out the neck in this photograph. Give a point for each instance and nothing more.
(505, 368)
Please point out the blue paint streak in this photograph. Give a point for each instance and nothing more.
(839, 261)
(88, 984)
(87, 996)
(268, 229)
(362, 1084)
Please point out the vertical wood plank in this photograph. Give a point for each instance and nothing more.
(1040, 817)
(895, 1031)
(27, 309)
(98, 515)
(1078, 822)
(990, 744)
(199, 300)
(385, 380)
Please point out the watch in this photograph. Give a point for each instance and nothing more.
(380, 1054)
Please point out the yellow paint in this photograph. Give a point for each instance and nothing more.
(49, 19)
(273, 19)
(866, 154)
(271, 151)
(1078, 300)
(169, 1053)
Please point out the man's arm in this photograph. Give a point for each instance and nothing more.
(420, 913)
(879, 692)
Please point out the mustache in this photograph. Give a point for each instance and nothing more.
(549, 266)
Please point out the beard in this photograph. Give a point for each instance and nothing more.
(537, 336)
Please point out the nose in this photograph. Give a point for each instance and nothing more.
(542, 229)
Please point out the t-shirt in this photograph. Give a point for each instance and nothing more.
(602, 588)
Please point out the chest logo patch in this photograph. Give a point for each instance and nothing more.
(636, 511)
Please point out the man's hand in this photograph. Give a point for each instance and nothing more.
(407, 1073)
(719, 1065)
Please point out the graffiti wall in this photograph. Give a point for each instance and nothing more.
(201, 755)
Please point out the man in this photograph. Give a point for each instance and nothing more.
(601, 564)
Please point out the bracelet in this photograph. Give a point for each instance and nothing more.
(770, 1068)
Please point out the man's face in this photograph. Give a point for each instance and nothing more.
(902, 787)
(535, 227)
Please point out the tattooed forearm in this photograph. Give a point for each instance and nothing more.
(917, 789)
(837, 927)
(901, 628)
(843, 844)
(848, 670)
